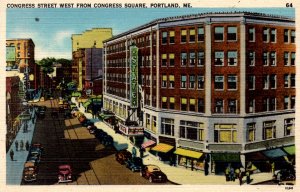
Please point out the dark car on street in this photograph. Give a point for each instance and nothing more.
(30, 171)
(107, 140)
(100, 134)
(153, 174)
(134, 163)
(122, 156)
(34, 155)
(92, 129)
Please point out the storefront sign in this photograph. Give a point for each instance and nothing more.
(131, 131)
(133, 77)
(10, 53)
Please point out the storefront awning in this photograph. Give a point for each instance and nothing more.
(290, 150)
(148, 143)
(162, 147)
(256, 156)
(226, 157)
(274, 153)
(188, 153)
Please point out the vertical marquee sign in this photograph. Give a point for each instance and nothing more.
(133, 77)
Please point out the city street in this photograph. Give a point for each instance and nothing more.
(65, 141)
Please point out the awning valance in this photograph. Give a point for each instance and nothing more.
(148, 143)
(162, 147)
(290, 150)
(274, 153)
(226, 157)
(188, 153)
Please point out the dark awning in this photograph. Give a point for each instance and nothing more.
(274, 153)
(256, 156)
(226, 157)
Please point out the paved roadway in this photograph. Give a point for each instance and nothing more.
(65, 141)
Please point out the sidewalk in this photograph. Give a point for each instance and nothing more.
(14, 169)
(177, 175)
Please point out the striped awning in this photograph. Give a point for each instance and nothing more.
(162, 147)
(188, 153)
(148, 143)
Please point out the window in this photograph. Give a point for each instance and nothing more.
(273, 58)
(192, 130)
(172, 37)
(266, 58)
(266, 81)
(293, 36)
(272, 104)
(183, 81)
(18, 54)
(219, 82)
(164, 60)
(219, 33)
(192, 34)
(183, 59)
(251, 83)
(232, 106)
(192, 106)
(201, 58)
(172, 59)
(252, 106)
(251, 58)
(164, 81)
(200, 34)
(266, 34)
(164, 103)
(225, 133)
(172, 102)
(18, 46)
(219, 58)
(167, 126)
(172, 81)
(250, 132)
(232, 58)
(192, 81)
(183, 36)
(286, 35)
(293, 56)
(286, 102)
(273, 35)
(201, 105)
(273, 81)
(153, 128)
(269, 130)
(183, 103)
(293, 102)
(293, 80)
(286, 58)
(231, 35)
(286, 80)
(192, 59)
(219, 106)
(289, 126)
(232, 82)
(148, 121)
(251, 34)
(200, 82)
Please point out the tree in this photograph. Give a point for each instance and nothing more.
(64, 62)
(47, 65)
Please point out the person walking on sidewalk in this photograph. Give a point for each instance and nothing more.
(240, 176)
(17, 145)
(21, 145)
(11, 153)
(27, 146)
(227, 170)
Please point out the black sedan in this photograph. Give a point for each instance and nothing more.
(153, 173)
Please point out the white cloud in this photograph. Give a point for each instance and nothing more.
(61, 36)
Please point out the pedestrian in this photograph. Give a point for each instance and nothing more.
(27, 146)
(240, 176)
(206, 166)
(17, 145)
(21, 145)
(141, 152)
(273, 168)
(248, 177)
(11, 155)
(227, 170)
(237, 172)
(133, 152)
(232, 175)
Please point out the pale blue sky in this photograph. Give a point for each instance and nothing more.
(52, 33)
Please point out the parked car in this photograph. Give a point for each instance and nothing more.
(122, 156)
(64, 174)
(92, 129)
(34, 155)
(107, 140)
(134, 163)
(37, 146)
(87, 122)
(30, 171)
(99, 134)
(284, 175)
(153, 173)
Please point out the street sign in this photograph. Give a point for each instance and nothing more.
(133, 77)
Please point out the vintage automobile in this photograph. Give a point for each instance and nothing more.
(285, 176)
(91, 128)
(87, 123)
(134, 163)
(37, 146)
(122, 156)
(29, 171)
(34, 155)
(100, 134)
(107, 140)
(153, 173)
(64, 174)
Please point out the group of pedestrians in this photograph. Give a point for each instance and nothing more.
(17, 148)
(231, 174)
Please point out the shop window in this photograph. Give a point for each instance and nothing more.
(183, 59)
(273, 81)
(232, 58)
(273, 58)
(192, 82)
(251, 58)
(219, 82)
(289, 126)
(192, 59)
(232, 82)
(293, 36)
(225, 133)
(164, 103)
(183, 103)
(172, 102)
(183, 36)
(200, 82)
(201, 60)
(167, 126)
(172, 59)
(219, 33)
(219, 106)
(251, 129)
(192, 106)
(232, 34)
(171, 81)
(201, 105)
(269, 130)
(232, 106)
(192, 35)
(200, 34)
(266, 35)
(273, 35)
(172, 37)
(183, 81)
(164, 60)
(252, 106)
(251, 82)
(286, 58)
(164, 37)
(164, 81)
(251, 34)
(219, 58)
